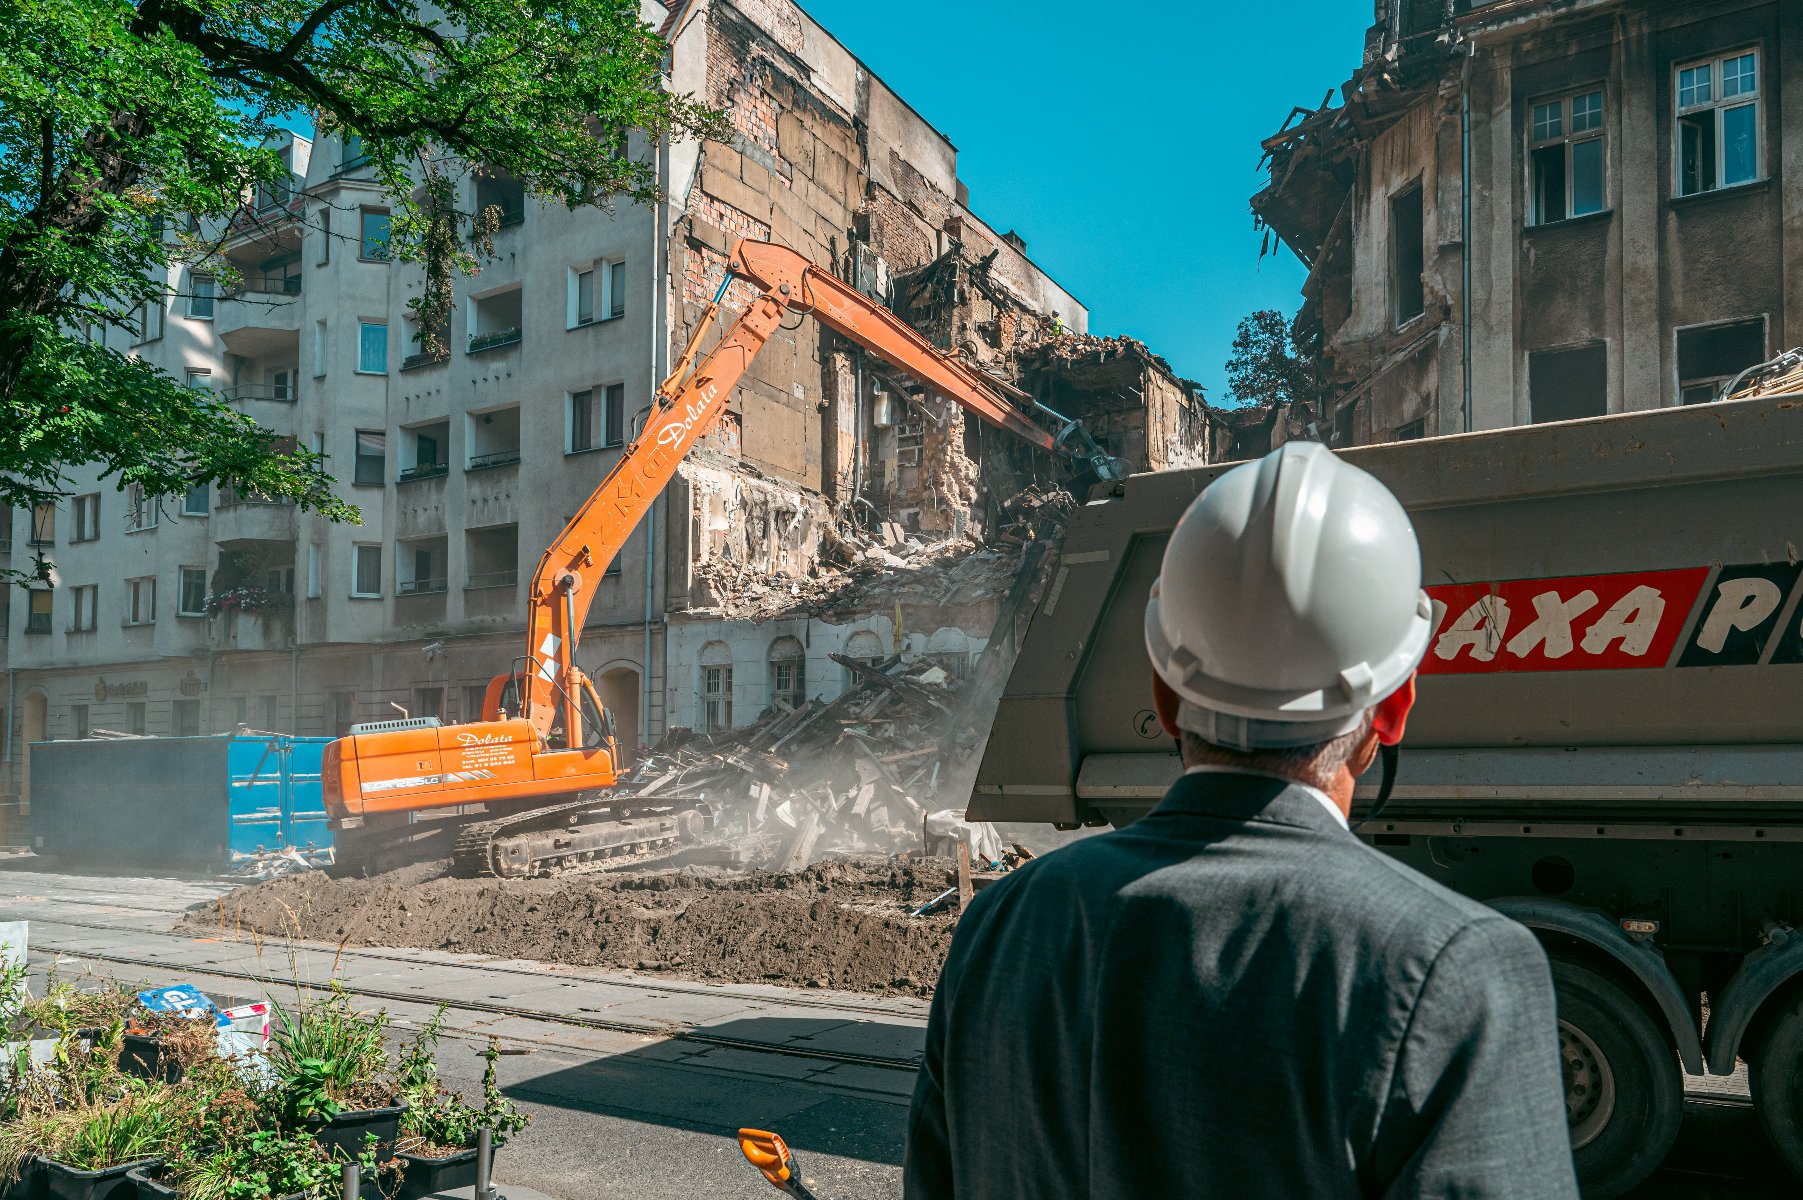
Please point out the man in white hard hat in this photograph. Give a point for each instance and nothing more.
(1234, 996)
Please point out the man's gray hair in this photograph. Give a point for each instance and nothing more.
(1315, 765)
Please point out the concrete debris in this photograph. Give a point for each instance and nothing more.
(858, 568)
(860, 773)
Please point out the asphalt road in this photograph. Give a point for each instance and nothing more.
(636, 1084)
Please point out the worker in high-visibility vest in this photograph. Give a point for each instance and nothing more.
(1235, 996)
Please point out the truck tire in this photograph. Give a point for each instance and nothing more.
(1623, 1094)
(1775, 1077)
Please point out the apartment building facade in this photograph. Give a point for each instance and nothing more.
(1530, 211)
(213, 611)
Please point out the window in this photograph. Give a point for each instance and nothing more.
(84, 602)
(43, 524)
(319, 349)
(596, 417)
(372, 458)
(865, 648)
(473, 696)
(1564, 385)
(597, 292)
(197, 501)
(140, 509)
(269, 713)
(1565, 157)
(374, 244)
(1718, 123)
(87, 518)
(428, 702)
(1710, 356)
(78, 720)
(716, 698)
(134, 717)
(148, 322)
(192, 601)
(202, 290)
(314, 591)
(184, 718)
(1344, 428)
(372, 348)
(1407, 257)
(281, 385)
(37, 610)
(352, 154)
(198, 378)
(1413, 431)
(788, 674)
(324, 213)
(366, 570)
(141, 601)
(240, 711)
(279, 581)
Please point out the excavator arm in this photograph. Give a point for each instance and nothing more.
(688, 404)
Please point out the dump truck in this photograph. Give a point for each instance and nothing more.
(1607, 746)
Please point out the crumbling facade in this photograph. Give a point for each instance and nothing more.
(1517, 211)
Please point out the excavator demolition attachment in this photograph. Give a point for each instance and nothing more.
(530, 789)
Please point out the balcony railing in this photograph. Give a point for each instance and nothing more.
(492, 341)
(491, 579)
(425, 358)
(421, 587)
(500, 458)
(280, 285)
(274, 392)
(230, 498)
(424, 471)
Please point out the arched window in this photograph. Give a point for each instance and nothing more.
(867, 648)
(716, 687)
(788, 673)
(949, 648)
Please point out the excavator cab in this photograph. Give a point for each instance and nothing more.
(598, 733)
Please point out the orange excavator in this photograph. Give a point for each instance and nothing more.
(526, 790)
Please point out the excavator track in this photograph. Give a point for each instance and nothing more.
(567, 839)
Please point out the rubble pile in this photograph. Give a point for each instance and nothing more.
(888, 563)
(860, 773)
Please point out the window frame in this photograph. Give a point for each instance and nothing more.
(142, 510)
(84, 608)
(145, 312)
(716, 697)
(211, 298)
(320, 355)
(1717, 106)
(364, 213)
(205, 492)
(359, 458)
(357, 554)
(36, 620)
(182, 575)
(362, 326)
(610, 423)
(1398, 318)
(1716, 382)
(1567, 139)
(84, 516)
(135, 590)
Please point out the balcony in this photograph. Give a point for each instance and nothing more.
(500, 458)
(239, 521)
(423, 471)
(495, 340)
(272, 286)
(421, 587)
(273, 393)
(424, 358)
(483, 580)
(259, 323)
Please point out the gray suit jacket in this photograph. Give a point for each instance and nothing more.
(1234, 996)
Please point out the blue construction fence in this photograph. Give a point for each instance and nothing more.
(190, 802)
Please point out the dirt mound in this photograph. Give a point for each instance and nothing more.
(841, 923)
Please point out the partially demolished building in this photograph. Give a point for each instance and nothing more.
(1533, 210)
(837, 509)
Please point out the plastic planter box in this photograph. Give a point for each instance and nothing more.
(347, 1134)
(150, 1189)
(110, 1183)
(422, 1177)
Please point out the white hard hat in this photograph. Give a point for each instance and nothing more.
(1289, 602)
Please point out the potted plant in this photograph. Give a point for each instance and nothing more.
(165, 1045)
(86, 1152)
(437, 1149)
(258, 1164)
(330, 1075)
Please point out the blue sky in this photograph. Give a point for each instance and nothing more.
(1121, 140)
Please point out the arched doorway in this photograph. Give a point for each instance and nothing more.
(36, 729)
(618, 688)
